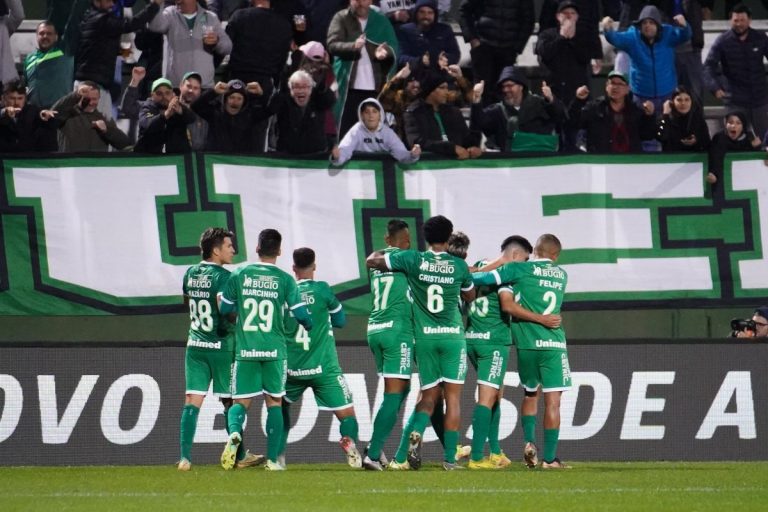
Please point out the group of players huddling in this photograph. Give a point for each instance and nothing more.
(257, 330)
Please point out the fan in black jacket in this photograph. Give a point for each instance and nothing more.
(22, 129)
(682, 127)
(737, 136)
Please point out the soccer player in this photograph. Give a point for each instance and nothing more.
(542, 352)
(210, 344)
(390, 337)
(312, 358)
(436, 279)
(488, 344)
(257, 293)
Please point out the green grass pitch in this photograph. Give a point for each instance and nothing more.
(658, 486)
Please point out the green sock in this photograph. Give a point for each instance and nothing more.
(383, 423)
(481, 420)
(438, 418)
(274, 431)
(402, 449)
(529, 429)
(286, 428)
(241, 447)
(236, 418)
(451, 440)
(348, 427)
(188, 427)
(420, 423)
(493, 431)
(551, 436)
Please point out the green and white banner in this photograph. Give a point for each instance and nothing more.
(114, 234)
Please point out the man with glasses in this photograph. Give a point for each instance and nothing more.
(760, 319)
(612, 123)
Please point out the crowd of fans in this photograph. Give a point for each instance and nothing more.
(339, 76)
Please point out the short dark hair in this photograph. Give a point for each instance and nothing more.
(212, 238)
(519, 241)
(303, 257)
(458, 244)
(269, 243)
(47, 23)
(395, 226)
(741, 8)
(16, 85)
(437, 230)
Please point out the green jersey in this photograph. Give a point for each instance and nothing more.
(313, 353)
(258, 292)
(392, 304)
(436, 280)
(208, 330)
(486, 322)
(540, 285)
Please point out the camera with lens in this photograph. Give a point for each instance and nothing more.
(744, 326)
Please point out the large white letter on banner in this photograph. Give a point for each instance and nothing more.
(739, 384)
(101, 229)
(13, 398)
(638, 403)
(512, 203)
(310, 207)
(55, 431)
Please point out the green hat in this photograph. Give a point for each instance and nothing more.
(192, 74)
(160, 82)
(618, 74)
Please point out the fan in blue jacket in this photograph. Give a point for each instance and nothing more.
(651, 47)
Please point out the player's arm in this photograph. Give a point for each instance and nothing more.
(511, 307)
(377, 260)
(468, 290)
(226, 300)
(335, 309)
(297, 307)
(506, 274)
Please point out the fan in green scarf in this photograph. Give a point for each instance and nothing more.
(343, 34)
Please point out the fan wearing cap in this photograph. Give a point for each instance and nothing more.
(371, 135)
(437, 126)
(737, 136)
(193, 36)
(426, 36)
(234, 117)
(612, 123)
(301, 115)
(521, 121)
(189, 91)
(650, 45)
(163, 121)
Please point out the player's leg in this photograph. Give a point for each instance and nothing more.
(393, 362)
(490, 361)
(437, 418)
(349, 428)
(294, 390)
(429, 374)
(246, 384)
(221, 366)
(452, 357)
(528, 369)
(197, 379)
(497, 455)
(332, 393)
(274, 378)
(556, 378)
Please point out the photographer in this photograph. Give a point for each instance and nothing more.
(755, 327)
